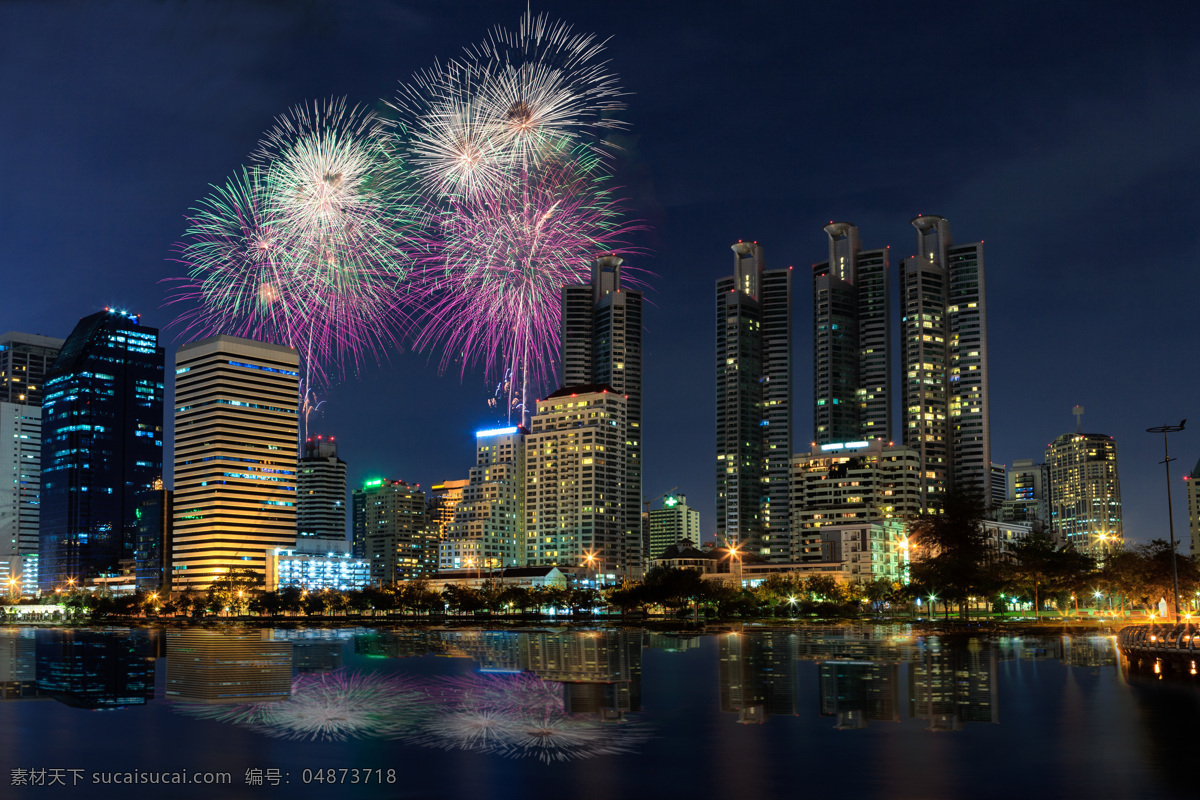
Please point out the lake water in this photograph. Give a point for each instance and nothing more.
(749, 712)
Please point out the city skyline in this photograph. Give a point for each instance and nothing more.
(1066, 326)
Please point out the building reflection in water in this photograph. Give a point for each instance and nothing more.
(857, 691)
(227, 667)
(18, 664)
(950, 683)
(104, 668)
(758, 674)
(600, 672)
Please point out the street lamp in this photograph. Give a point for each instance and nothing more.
(1164, 430)
(589, 562)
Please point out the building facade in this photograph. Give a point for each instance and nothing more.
(852, 311)
(850, 483)
(25, 359)
(672, 523)
(102, 440)
(321, 492)
(575, 499)
(1026, 498)
(602, 345)
(392, 532)
(488, 529)
(944, 330)
(152, 557)
(754, 403)
(236, 436)
(1085, 492)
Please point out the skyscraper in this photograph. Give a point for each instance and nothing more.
(102, 431)
(235, 457)
(754, 403)
(24, 361)
(392, 532)
(320, 493)
(1193, 501)
(945, 365)
(602, 346)
(1085, 492)
(488, 529)
(575, 502)
(852, 311)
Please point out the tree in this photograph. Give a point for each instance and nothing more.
(1039, 567)
(951, 556)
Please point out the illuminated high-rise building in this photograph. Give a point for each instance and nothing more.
(1085, 492)
(852, 483)
(602, 346)
(671, 523)
(235, 457)
(24, 361)
(443, 499)
(945, 363)
(1026, 499)
(102, 435)
(320, 494)
(754, 404)
(852, 375)
(392, 532)
(575, 501)
(488, 529)
(1193, 500)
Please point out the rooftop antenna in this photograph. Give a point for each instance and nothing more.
(1078, 412)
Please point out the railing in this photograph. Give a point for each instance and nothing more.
(1160, 639)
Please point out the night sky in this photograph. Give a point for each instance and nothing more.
(1063, 135)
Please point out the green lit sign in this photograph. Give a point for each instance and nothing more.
(376, 482)
(671, 501)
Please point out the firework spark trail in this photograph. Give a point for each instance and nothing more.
(311, 247)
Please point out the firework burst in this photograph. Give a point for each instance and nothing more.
(496, 281)
(310, 247)
(506, 142)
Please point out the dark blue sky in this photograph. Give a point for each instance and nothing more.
(1063, 135)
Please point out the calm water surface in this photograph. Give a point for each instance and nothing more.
(757, 712)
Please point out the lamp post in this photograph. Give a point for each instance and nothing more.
(1164, 430)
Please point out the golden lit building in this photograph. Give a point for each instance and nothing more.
(576, 501)
(1085, 492)
(235, 457)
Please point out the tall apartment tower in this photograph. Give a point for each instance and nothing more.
(852, 314)
(102, 434)
(575, 502)
(320, 494)
(1085, 492)
(944, 327)
(754, 404)
(602, 346)
(488, 529)
(236, 430)
(391, 530)
(24, 361)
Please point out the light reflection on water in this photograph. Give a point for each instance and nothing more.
(761, 711)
